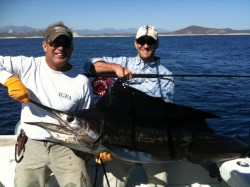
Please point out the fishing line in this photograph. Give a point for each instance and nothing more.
(104, 171)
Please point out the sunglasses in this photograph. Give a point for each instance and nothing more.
(61, 42)
(146, 40)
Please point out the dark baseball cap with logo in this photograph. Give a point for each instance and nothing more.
(52, 33)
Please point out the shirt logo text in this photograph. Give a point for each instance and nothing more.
(64, 95)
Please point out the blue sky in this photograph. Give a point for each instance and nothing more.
(121, 14)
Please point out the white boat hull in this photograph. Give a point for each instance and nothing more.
(235, 173)
(7, 160)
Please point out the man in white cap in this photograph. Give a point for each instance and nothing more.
(52, 81)
(146, 42)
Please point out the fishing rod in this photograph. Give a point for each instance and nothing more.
(102, 81)
(169, 75)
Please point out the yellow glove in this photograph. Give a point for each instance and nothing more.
(103, 157)
(17, 90)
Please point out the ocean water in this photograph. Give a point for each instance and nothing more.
(228, 97)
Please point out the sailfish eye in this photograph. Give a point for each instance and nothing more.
(70, 118)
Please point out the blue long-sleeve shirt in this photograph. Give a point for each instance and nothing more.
(162, 87)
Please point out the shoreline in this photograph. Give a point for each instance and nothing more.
(129, 35)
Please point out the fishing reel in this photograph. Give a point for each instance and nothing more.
(101, 84)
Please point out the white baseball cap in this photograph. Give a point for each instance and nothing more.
(147, 30)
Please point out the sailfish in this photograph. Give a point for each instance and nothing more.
(138, 128)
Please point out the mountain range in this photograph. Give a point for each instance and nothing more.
(24, 31)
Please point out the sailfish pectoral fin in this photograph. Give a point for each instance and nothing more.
(50, 127)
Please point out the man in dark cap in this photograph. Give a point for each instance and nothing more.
(52, 81)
